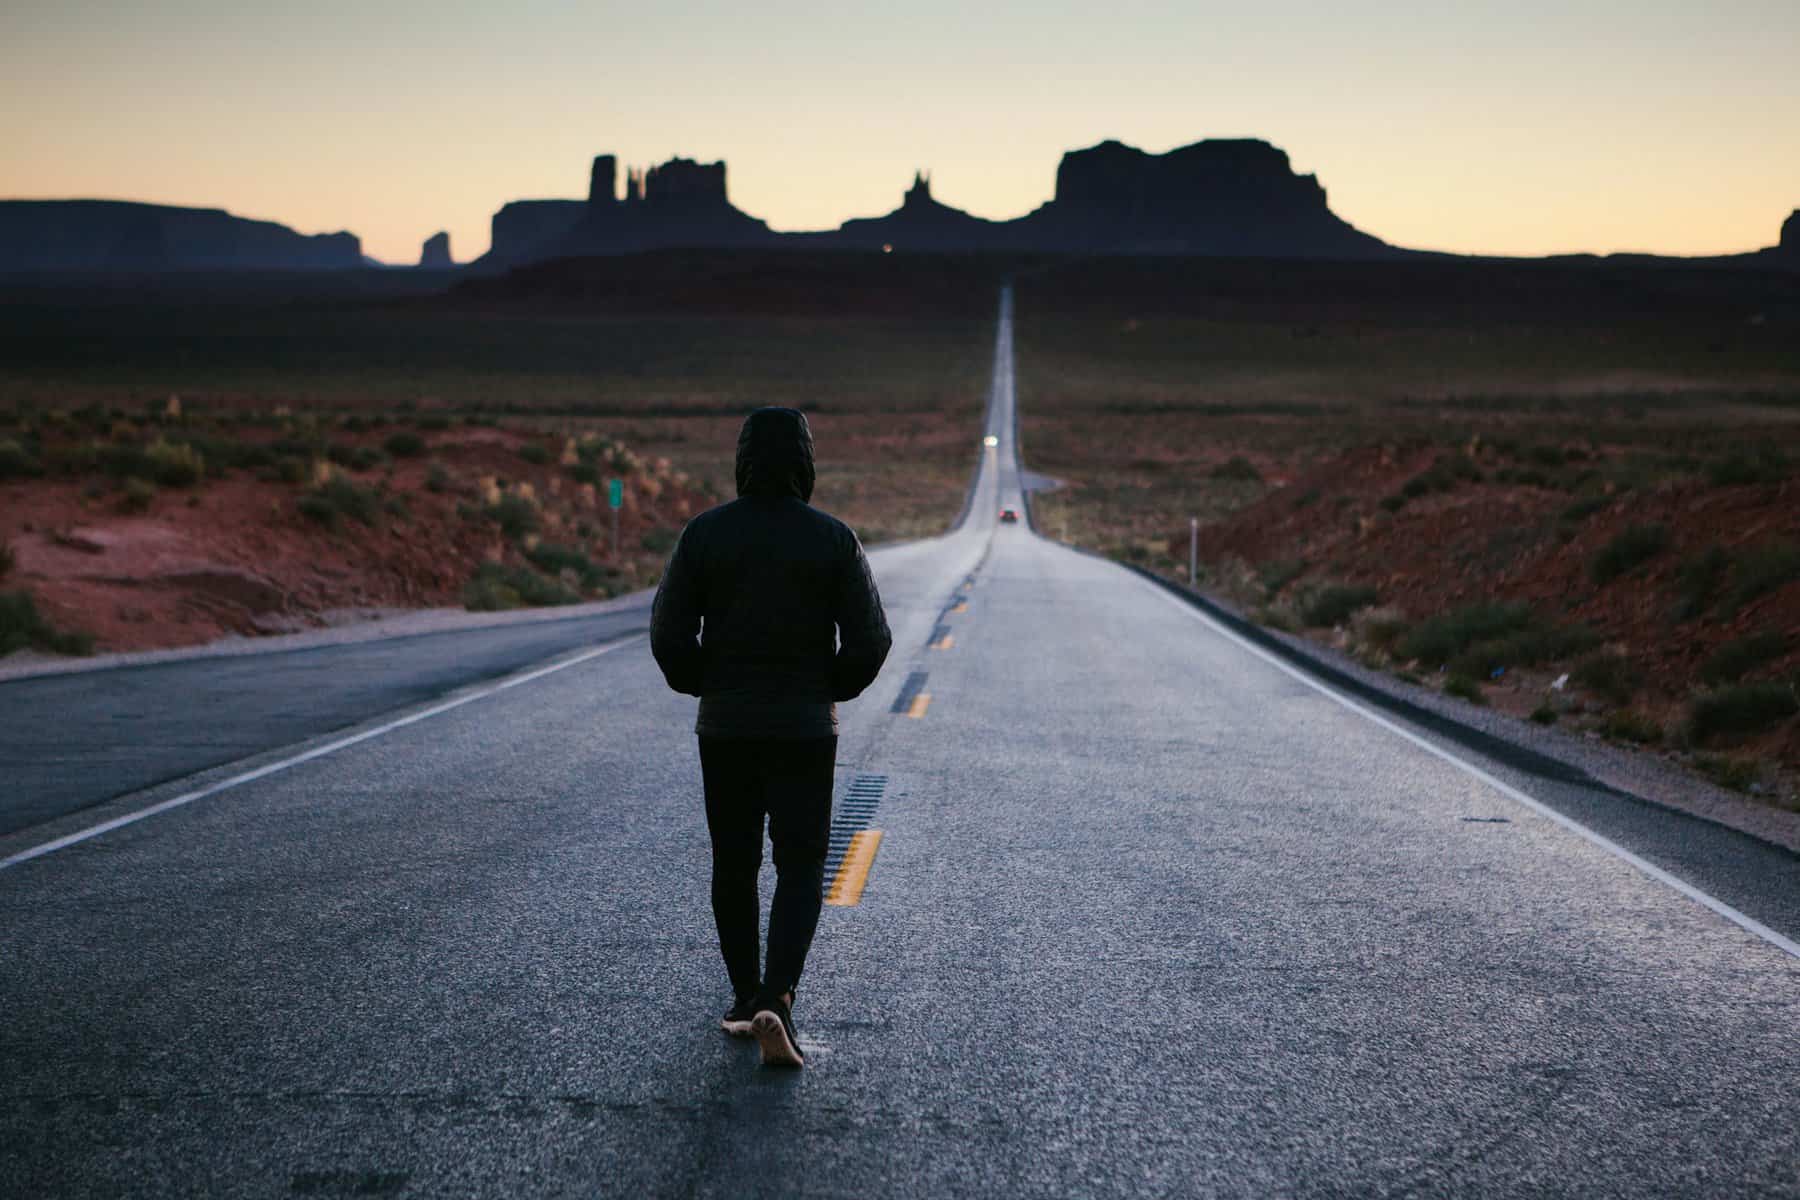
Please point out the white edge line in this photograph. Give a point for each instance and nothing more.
(213, 789)
(1742, 920)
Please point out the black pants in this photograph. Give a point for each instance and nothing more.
(789, 781)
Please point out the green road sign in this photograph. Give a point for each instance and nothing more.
(615, 492)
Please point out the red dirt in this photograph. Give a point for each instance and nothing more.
(234, 555)
(1490, 541)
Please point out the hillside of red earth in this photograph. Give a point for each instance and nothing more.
(131, 532)
(1672, 609)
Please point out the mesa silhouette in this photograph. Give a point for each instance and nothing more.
(123, 236)
(1217, 197)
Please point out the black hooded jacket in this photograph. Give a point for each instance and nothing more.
(768, 611)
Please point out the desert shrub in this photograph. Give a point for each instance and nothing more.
(515, 515)
(1643, 471)
(1334, 604)
(584, 472)
(1698, 580)
(1631, 546)
(1521, 648)
(1237, 469)
(1761, 569)
(1393, 503)
(1464, 688)
(1738, 657)
(556, 559)
(354, 423)
(1734, 773)
(337, 498)
(1631, 726)
(1442, 476)
(1523, 477)
(1278, 573)
(404, 444)
(7, 558)
(162, 463)
(437, 478)
(22, 627)
(433, 423)
(231, 454)
(1543, 714)
(16, 462)
(659, 541)
(1610, 675)
(137, 495)
(1582, 509)
(1272, 618)
(291, 469)
(305, 449)
(1381, 628)
(535, 454)
(1440, 638)
(366, 458)
(1741, 708)
(495, 586)
(1764, 465)
(339, 453)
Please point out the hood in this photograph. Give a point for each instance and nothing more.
(775, 454)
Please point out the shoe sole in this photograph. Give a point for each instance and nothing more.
(772, 1039)
(739, 1029)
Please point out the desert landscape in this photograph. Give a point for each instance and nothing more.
(1565, 490)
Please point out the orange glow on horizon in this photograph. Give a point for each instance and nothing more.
(1606, 126)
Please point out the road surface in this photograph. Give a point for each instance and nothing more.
(1150, 914)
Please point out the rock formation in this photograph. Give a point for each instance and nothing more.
(436, 253)
(1221, 197)
(525, 230)
(1213, 197)
(1790, 235)
(920, 223)
(677, 203)
(116, 235)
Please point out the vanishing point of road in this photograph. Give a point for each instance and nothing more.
(1151, 912)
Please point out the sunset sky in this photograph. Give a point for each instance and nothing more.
(1515, 127)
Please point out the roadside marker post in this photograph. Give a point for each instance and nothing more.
(615, 499)
(1193, 551)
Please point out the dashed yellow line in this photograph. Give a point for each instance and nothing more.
(945, 642)
(847, 888)
(960, 606)
(920, 703)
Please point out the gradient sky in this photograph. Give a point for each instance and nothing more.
(1516, 127)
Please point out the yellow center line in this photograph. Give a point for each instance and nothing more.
(960, 606)
(920, 703)
(944, 643)
(847, 888)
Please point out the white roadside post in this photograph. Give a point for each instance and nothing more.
(1193, 551)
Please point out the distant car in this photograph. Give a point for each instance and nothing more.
(1009, 515)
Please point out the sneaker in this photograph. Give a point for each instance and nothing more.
(738, 1017)
(773, 1028)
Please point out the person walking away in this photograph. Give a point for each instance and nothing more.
(769, 614)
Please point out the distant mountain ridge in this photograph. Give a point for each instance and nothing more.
(1220, 197)
(1237, 197)
(122, 235)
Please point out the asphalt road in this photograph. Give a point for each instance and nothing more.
(1150, 915)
